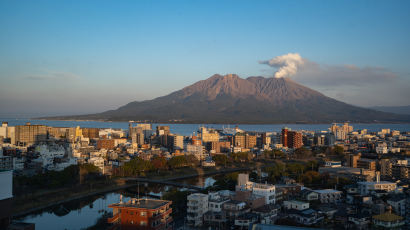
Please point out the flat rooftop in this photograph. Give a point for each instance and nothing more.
(141, 203)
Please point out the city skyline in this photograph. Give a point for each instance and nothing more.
(76, 58)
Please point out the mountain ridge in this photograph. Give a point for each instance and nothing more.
(231, 99)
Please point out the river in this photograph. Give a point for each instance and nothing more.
(84, 213)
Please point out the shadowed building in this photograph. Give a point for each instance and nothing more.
(144, 214)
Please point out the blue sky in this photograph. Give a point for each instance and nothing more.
(76, 57)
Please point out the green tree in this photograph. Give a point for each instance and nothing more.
(177, 162)
(220, 159)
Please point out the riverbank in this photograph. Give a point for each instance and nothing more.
(26, 204)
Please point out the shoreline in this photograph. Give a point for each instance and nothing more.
(214, 123)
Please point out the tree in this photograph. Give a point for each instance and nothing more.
(177, 162)
(303, 152)
(137, 167)
(220, 159)
(338, 150)
(311, 177)
(159, 163)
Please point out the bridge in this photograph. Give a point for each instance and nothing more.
(164, 182)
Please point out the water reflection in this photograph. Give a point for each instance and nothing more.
(84, 213)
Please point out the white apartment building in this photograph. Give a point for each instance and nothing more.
(329, 195)
(365, 187)
(266, 190)
(97, 161)
(216, 202)
(197, 150)
(197, 207)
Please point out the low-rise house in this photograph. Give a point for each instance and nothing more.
(245, 220)
(305, 217)
(309, 195)
(360, 220)
(398, 203)
(268, 214)
(295, 204)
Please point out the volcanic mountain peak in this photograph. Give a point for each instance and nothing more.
(260, 88)
(231, 99)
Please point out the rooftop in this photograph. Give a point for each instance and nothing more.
(141, 203)
(388, 217)
(375, 182)
(327, 191)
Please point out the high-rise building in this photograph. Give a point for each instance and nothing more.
(353, 160)
(295, 139)
(137, 135)
(250, 141)
(208, 135)
(7, 133)
(240, 140)
(29, 134)
(90, 132)
(175, 142)
(284, 137)
(3, 130)
(291, 139)
(319, 139)
(341, 132)
(146, 129)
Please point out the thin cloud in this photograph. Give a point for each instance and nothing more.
(309, 72)
(342, 75)
(53, 75)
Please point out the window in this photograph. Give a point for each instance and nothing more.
(143, 213)
(143, 223)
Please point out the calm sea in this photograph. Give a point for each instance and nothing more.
(188, 129)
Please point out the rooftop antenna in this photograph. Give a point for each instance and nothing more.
(138, 196)
(146, 198)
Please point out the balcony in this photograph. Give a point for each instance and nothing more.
(114, 219)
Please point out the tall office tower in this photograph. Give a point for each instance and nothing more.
(137, 135)
(129, 130)
(146, 129)
(284, 137)
(30, 134)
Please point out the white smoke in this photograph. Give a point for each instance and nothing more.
(287, 64)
